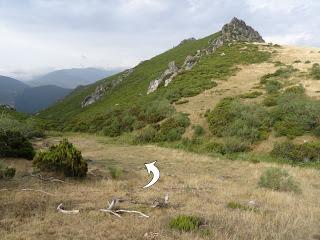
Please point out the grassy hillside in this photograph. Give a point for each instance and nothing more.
(127, 92)
(132, 91)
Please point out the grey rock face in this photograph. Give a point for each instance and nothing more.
(238, 30)
(167, 76)
(103, 88)
(7, 107)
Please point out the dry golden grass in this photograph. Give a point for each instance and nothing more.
(197, 185)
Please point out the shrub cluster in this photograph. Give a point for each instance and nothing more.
(28, 128)
(171, 129)
(14, 144)
(298, 153)
(6, 172)
(278, 180)
(315, 71)
(295, 114)
(117, 121)
(231, 118)
(62, 158)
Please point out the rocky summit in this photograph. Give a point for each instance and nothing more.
(235, 31)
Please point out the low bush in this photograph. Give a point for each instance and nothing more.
(29, 128)
(14, 144)
(278, 180)
(172, 128)
(237, 205)
(215, 147)
(298, 153)
(6, 172)
(235, 145)
(295, 90)
(273, 86)
(270, 100)
(295, 114)
(231, 118)
(198, 130)
(315, 71)
(280, 74)
(185, 223)
(146, 135)
(62, 158)
(307, 62)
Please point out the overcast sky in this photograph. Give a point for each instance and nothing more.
(40, 35)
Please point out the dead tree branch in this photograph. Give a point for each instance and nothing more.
(61, 209)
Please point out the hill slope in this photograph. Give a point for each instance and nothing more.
(31, 100)
(9, 89)
(71, 78)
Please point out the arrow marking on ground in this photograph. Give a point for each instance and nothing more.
(155, 171)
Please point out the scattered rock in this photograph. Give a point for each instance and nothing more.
(222, 54)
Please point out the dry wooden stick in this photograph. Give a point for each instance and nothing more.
(112, 206)
(60, 208)
(51, 179)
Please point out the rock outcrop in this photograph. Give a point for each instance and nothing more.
(102, 89)
(167, 76)
(235, 31)
(7, 107)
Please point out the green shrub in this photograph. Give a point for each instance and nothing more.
(6, 172)
(295, 114)
(297, 61)
(14, 144)
(315, 71)
(254, 94)
(306, 152)
(231, 118)
(62, 158)
(115, 172)
(198, 130)
(280, 74)
(295, 90)
(278, 180)
(307, 62)
(173, 128)
(235, 145)
(29, 128)
(185, 223)
(270, 100)
(146, 135)
(215, 147)
(273, 86)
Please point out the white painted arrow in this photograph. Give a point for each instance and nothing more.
(156, 174)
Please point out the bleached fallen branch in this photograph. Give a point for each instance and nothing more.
(2, 190)
(60, 208)
(111, 209)
(132, 211)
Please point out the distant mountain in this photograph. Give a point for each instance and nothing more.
(71, 78)
(32, 100)
(9, 89)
